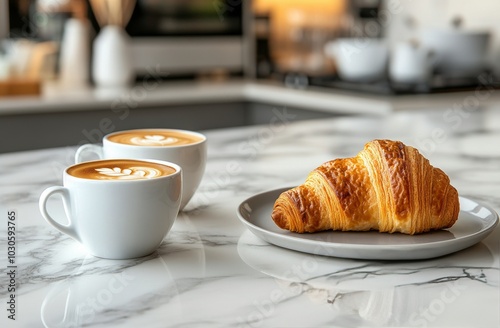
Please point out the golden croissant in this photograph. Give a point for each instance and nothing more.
(388, 186)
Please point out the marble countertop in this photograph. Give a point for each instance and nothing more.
(156, 92)
(210, 271)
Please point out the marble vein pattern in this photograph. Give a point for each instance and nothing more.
(210, 271)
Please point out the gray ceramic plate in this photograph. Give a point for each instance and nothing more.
(474, 223)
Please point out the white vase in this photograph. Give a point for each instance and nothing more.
(112, 65)
(75, 53)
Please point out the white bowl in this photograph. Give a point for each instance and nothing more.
(359, 59)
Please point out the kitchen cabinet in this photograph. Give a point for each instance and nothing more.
(59, 129)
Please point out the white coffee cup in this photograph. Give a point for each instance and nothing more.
(410, 63)
(191, 157)
(120, 208)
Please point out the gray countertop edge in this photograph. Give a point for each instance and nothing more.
(57, 98)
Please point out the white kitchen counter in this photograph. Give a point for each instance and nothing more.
(210, 271)
(57, 98)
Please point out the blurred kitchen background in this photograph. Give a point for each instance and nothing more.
(360, 48)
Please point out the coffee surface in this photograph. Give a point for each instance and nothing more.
(120, 170)
(154, 138)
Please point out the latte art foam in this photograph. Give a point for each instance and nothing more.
(120, 170)
(154, 137)
(130, 173)
(154, 140)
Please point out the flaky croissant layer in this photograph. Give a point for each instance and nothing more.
(388, 186)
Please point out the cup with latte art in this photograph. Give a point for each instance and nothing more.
(118, 208)
(186, 148)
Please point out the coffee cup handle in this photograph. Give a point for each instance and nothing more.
(68, 229)
(88, 148)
